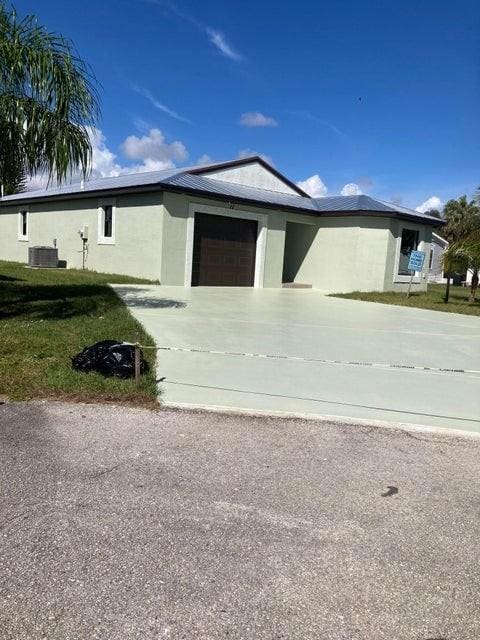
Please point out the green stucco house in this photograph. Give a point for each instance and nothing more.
(238, 223)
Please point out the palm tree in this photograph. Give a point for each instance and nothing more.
(48, 102)
(462, 218)
(464, 255)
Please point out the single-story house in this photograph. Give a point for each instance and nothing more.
(238, 223)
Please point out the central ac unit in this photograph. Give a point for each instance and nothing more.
(43, 257)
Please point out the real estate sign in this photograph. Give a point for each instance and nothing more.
(417, 258)
(415, 263)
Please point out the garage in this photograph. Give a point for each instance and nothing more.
(224, 250)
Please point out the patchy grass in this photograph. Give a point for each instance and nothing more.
(47, 316)
(431, 299)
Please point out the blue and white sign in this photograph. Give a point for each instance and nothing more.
(415, 263)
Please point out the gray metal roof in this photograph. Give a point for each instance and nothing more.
(364, 203)
(190, 179)
(98, 184)
(242, 192)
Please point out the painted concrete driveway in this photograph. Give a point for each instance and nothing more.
(297, 329)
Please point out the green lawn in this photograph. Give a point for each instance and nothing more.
(47, 316)
(432, 299)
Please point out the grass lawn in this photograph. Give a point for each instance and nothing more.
(47, 316)
(432, 299)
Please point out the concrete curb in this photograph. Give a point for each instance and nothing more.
(395, 426)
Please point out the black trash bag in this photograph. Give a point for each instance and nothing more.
(110, 358)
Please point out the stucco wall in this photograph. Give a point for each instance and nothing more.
(177, 207)
(252, 175)
(138, 234)
(436, 272)
(332, 254)
(394, 282)
(346, 254)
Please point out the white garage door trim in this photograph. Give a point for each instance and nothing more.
(228, 213)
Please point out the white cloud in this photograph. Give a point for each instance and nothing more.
(219, 40)
(159, 105)
(351, 189)
(104, 164)
(433, 202)
(205, 159)
(152, 150)
(314, 186)
(257, 119)
(246, 153)
(152, 147)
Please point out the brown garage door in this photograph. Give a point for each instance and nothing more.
(223, 251)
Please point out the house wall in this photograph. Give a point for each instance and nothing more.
(334, 254)
(174, 251)
(436, 272)
(347, 254)
(138, 233)
(354, 253)
(252, 175)
(394, 282)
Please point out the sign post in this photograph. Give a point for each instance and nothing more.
(415, 263)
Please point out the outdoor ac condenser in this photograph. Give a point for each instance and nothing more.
(43, 257)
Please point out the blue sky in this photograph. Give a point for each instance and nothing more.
(383, 94)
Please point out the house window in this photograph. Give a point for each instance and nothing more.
(23, 224)
(408, 244)
(430, 262)
(106, 222)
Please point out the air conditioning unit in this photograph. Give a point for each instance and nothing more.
(43, 257)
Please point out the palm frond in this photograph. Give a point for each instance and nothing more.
(48, 99)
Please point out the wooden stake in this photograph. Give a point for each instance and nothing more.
(137, 364)
(410, 284)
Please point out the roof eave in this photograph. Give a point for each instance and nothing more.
(217, 196)
(150, 189)
(384, 214)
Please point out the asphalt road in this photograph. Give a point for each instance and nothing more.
(122, 523)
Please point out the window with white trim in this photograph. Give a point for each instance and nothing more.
(106, 222)
(23, 224)
(409, 243)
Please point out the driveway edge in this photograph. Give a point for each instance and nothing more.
(313, 417)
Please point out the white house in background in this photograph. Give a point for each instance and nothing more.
(435, 265)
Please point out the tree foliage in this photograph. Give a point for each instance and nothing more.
(462, 230)
(48, 102)
(462, 217)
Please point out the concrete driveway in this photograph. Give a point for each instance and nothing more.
(127, 524)
(214, 330)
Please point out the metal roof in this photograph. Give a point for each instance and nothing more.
(191, 179)
(237, 191)
(364, 203)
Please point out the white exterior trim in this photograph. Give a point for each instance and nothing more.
(417, 278)
(21, 237)
(440, 239)
(100, 223)
(228, 213)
